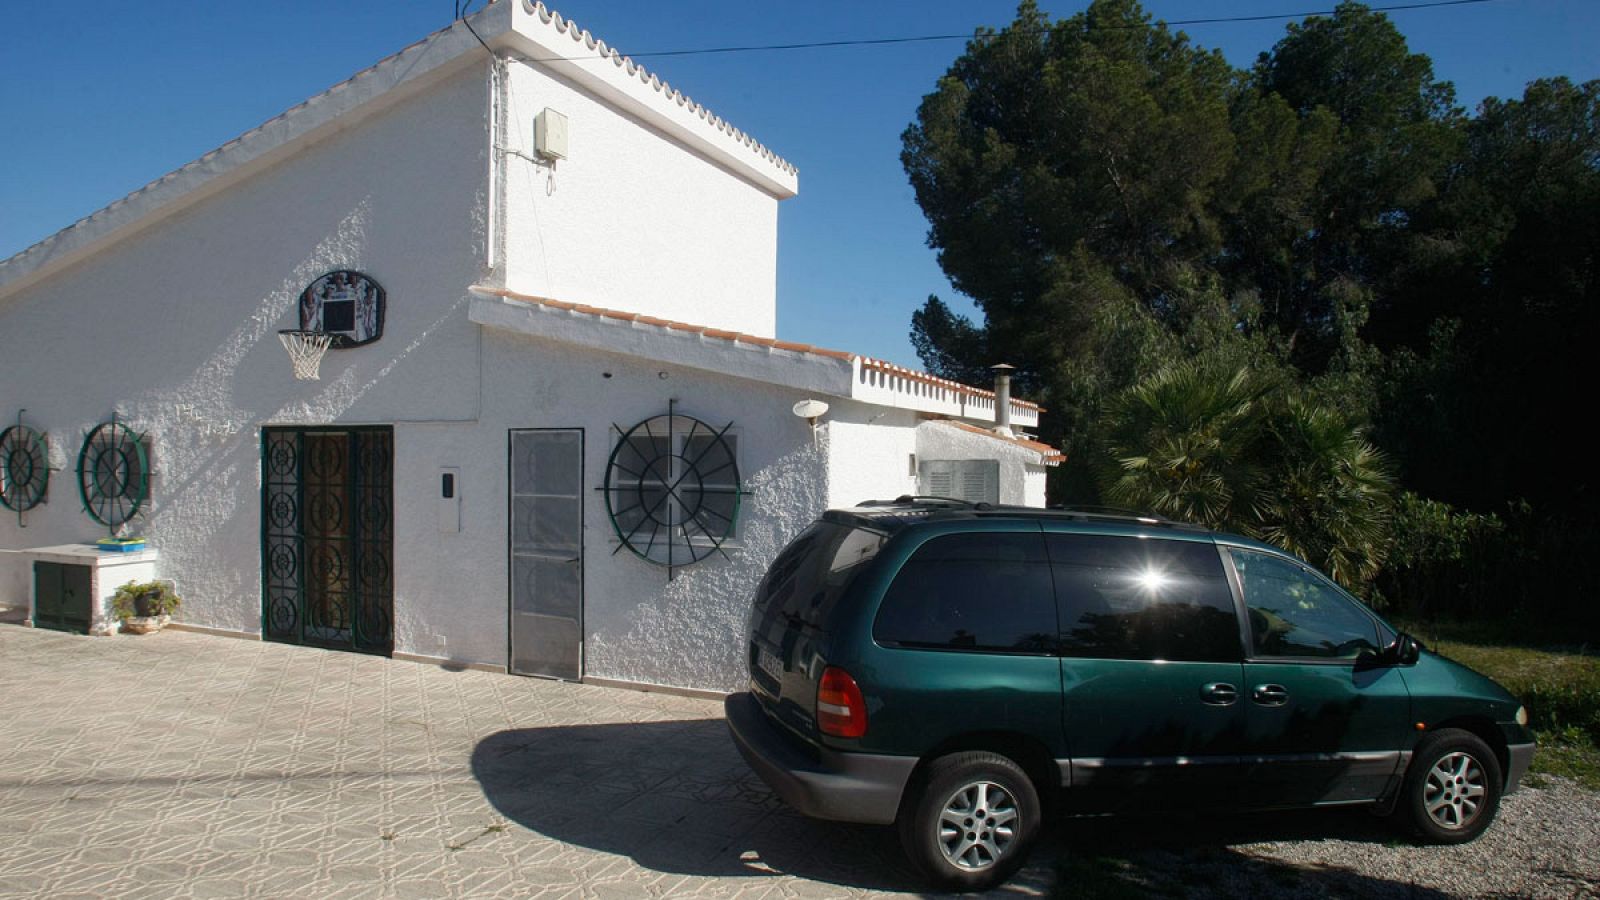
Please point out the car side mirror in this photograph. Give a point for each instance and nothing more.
(1405, 650)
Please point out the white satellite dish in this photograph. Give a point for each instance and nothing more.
(810, 410)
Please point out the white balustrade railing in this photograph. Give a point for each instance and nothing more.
(884, 383)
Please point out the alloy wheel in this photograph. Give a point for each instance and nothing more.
(977, 825)
(1454, 792)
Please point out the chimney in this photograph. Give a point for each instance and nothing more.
(1002, 399)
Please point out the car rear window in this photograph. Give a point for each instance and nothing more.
(987, 591)
(807, 579)
(1140, 598)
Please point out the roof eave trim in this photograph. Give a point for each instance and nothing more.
(1043, 454)
(664, 342)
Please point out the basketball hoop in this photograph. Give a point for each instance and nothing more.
(305, 351)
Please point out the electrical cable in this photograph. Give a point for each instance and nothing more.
(873, 42)
(461, 16)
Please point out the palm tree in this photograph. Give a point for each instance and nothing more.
(1239, 449)
(1183, 443)
(1330, 499)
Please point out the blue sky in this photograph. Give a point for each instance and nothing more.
(97, 101)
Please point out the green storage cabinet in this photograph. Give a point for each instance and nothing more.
(61, 597)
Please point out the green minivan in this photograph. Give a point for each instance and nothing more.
(959, 669)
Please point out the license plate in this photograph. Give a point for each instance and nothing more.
(768, 662)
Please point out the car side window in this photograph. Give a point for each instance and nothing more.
(1294, 613)
(986, 591)
(1139, 598)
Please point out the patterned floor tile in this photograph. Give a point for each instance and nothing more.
(264, 770)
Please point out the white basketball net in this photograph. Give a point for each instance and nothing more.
(305, 351)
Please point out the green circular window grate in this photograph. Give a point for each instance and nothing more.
(24, 468)
(113, 474)
(672, 489)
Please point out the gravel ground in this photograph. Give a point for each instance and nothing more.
(1545, 843)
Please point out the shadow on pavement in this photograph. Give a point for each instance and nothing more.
(676, 797)
(1197, 855)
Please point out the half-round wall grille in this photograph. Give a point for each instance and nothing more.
(113, 474)
(672, 489)
(24, 468)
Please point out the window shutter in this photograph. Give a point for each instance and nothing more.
(936, 478)
(973, 480)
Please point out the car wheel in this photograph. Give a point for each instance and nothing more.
(1452, 788)
(970, 821)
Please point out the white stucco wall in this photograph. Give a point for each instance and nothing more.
(174, 329)
(869, 453)
(632, 220)
(451, 590)
(1021, 476)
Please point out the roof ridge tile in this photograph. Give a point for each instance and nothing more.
(633, 68)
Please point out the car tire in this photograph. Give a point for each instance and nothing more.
(1452, 788)
(968, 823)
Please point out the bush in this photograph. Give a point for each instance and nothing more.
(1442, 561)
(145, 599)
(1532, 573)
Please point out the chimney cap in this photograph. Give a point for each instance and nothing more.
(1003, 368)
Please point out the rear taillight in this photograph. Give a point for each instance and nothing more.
(841, 711)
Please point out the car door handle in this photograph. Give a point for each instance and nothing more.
(1270, 694)
(1218, 693)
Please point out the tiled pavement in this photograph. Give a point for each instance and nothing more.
(182, 765)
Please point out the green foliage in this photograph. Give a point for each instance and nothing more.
(1051, 150)
(1330, 493)
(1438, 554)
(1187, 442)
(1242, 450)
(1232, 287)
(144, 599)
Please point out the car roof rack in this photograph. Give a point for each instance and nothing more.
(925, 504)
(1103, 510)
(930, 499)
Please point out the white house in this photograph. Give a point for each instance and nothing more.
(555, 433)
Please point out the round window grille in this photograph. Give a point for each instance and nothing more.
(113, 474)
(672, 489)
(24, 468)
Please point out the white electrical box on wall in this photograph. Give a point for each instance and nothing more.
(449, 500)
(550, 135)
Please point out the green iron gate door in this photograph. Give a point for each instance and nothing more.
(327, 536)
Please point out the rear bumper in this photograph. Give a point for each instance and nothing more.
(1521, 756)
(848, 787)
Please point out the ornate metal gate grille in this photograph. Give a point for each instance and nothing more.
(327, 536)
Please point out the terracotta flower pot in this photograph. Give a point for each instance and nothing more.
(144, 624)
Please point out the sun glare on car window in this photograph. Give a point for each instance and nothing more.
(1152, 580)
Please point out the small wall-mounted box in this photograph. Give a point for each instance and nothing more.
(449, 500)
(550, 135)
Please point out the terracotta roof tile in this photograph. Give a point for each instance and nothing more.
(1051, 455)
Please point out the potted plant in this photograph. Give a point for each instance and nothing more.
(145, 606)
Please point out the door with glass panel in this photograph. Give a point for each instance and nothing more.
(546, 550)
(327, 537)
(1151, 670)
(1326, 721)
